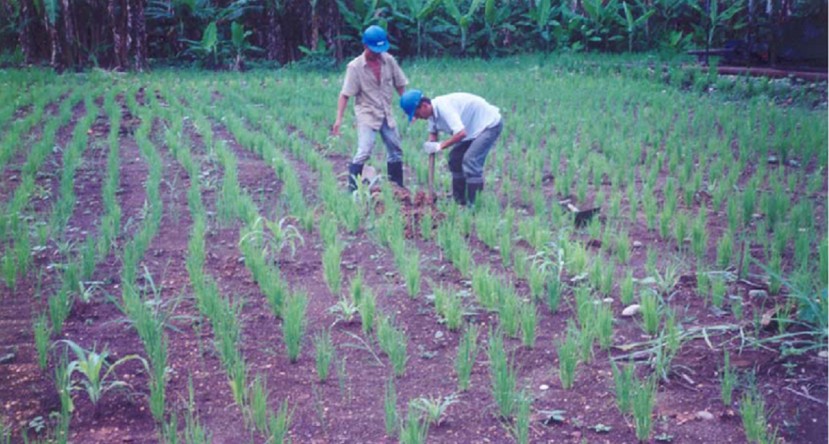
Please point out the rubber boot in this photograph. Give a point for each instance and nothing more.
(395, 170)
(355, 172)
(472, 190)
(459, 190)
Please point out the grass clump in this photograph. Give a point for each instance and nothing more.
(293, 324)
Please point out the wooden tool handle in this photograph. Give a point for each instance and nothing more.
(432, 174)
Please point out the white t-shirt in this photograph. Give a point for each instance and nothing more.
(458, 111)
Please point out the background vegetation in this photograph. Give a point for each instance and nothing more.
(129, 34)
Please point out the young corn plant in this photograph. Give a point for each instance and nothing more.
(293, 324)
(98, 374)
(467, 354)
(434, 408)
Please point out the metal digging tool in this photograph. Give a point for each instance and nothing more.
(582, 217)
(432, 176)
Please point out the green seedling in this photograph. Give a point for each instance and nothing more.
(279, 423)
(623, 380)
(568, 356)
(42, 334)
(367, 308)
(651, 313)
(258, 409)
(753, 415)
(642, 402)
(414, 430)
(324, 353)
(331, 261)
(502, 375)
(467, 354)
(293, 324)
(394, 343)
(529, 320)
(98, 374)
(434, 408)
(391, 417)
(728, 380)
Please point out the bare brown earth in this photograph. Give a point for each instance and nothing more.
(348, 408)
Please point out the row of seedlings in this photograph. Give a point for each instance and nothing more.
(14, 230)
(353, 214)
(222, 314)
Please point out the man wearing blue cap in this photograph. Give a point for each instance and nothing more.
(371, 79)
(473, 126)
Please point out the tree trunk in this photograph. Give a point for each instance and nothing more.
(55, 58)
(69, 35)
(25, 32)
(119, 40)
(137, 32)
(275, 41)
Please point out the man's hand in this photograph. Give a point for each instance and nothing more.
(431, 147)
(335, 129)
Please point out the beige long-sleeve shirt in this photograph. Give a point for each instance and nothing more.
(373, 100)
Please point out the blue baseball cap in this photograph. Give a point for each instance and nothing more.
(376, 39)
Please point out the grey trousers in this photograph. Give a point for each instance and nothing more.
(466, 160)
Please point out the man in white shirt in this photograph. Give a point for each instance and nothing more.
(473, 125)
(371, 78)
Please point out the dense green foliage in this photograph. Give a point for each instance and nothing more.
(225, 33)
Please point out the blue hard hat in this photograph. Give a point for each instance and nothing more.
(376, 39)
(409, 101)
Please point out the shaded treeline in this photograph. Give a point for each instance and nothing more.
(129, 34)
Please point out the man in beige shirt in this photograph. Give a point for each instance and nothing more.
(371, 79)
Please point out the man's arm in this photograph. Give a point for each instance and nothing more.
(342, 102)
(457, 137)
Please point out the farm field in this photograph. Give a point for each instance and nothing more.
(181, 262)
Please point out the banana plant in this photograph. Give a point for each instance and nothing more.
(632, 24)
(238, 39)
(208, 46)
(462, 21)
(712, 18)
(603, 21)
(359, 16)
(497, 19)
(540, 13)
(415, 14)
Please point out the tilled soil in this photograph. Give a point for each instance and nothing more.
(348, 407)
